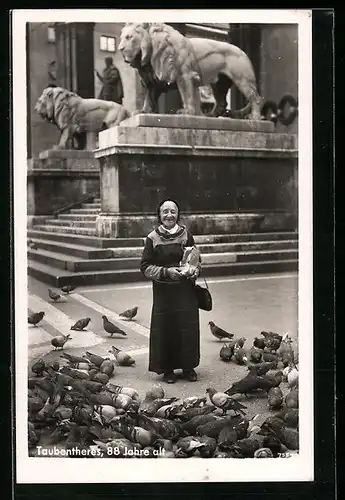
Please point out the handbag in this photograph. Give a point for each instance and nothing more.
(204, 297)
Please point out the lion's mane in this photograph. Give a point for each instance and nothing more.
(167, 50)
(59, 106)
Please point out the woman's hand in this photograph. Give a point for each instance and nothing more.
(195, 274)
(174, 273)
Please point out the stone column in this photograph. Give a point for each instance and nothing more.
(84, 59)
(75, 60)
(248, 38)
(106, 222)
(64, 53)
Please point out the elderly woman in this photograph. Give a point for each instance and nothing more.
(174, 331)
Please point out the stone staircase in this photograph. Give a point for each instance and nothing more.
(69, 252)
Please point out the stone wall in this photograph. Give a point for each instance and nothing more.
(41, 53)
(59, 178)
(48, 193)
(205, 184)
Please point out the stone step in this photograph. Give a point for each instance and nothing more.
(80, 232)
(61, 277)
(218, 247)
(86, 211)
(201, 239)
(76, 217)
(70, 223)
(126, 261)
(73, 264)
(77, 239)
(89, 238)
(81, 251)
(91, 205)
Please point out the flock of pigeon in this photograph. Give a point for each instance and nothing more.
(59, 341)
(72, 403)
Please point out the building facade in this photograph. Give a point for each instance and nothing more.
(68, 55)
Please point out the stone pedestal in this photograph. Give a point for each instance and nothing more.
(59, 178)
(228, 175)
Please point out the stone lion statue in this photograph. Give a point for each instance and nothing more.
(167, 59)
(74, 116)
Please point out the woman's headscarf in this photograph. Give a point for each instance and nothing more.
(159, 209)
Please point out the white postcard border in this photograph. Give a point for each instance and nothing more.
(64, 470)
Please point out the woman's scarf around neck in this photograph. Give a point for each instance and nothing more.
(172, 233)
(173, 230)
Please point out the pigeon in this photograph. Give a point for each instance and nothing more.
(290, 417)
(122, 358)
(250, 383)
(190, 413)
(269, 356)
(94, 358)
(107, 367)
(129, 313)
(109, 327)
(272, 380)
(219, 333)
(224, 402)
(53, 295)
(55, 365)
(213, 428)
(227, 437)
(81, 324)
(74, 359)
(39, 367)
(272, 340)
(150, 408)
(255, 354)
(245, 448)
(272, 335)
(263, 453)
(35, 318)
(240, 355)
(285, 350)
(194, 401)
(275, 398)
(98, 377)
(92, 386)
(166, 429)
(259, 343)
(261, 368)
(59, 341)
(168, 411)
(68, 289)
(292, 377)
(272, 443)
(291, 399)
(188, 445)
(226, 352)
(287, 436)
(239, 342)
(191, 425)
(73, 372)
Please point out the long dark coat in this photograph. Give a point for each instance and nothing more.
(174, 329)
(112, 85)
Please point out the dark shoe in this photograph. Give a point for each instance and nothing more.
(190, 375)
(169, 377)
